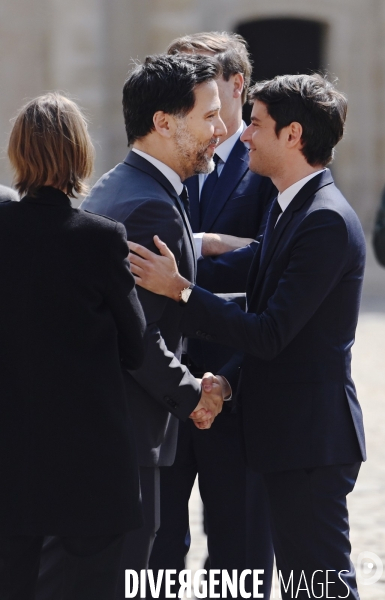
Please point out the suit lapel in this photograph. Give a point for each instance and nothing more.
(253, 274)
(138, 162)
(192, 184)
(233, 171)
(308, 190)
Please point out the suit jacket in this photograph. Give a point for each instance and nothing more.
(297, 396)
(239, 206)
(138, 195)
(69, 320)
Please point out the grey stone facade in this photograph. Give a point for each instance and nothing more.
(84, 47)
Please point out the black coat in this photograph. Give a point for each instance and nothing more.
(69, 319)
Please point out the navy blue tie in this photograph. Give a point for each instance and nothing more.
(207, 189)
(274, 213)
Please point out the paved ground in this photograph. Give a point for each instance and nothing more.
(367, 502)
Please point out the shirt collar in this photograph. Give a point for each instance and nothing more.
(173, 177)
(287, 195)
(224, 149)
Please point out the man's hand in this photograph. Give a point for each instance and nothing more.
(214, 244)
(158, 274)
(210, 404)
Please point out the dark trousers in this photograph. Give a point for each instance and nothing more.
(89, 567)
(139, 542)
(311, 530)
(237, 519)
(135, 551)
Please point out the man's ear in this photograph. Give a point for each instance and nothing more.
(163, 123)
(239, 83)
(294, 134)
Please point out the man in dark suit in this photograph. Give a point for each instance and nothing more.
(231, 200)
(7, 193)
(302, 423)
(171, 110)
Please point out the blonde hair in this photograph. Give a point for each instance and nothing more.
(50, 145)
(230, 50)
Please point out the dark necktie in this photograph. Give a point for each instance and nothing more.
(208, 188)
(185, 201)
(274, 213)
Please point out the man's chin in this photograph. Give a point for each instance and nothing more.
(255, 168)
(204, 166)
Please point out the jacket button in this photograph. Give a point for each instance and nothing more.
(209, 337)
(170, 401)
(199, 332)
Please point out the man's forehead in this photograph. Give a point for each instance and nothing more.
(259, 110)
(208, 90)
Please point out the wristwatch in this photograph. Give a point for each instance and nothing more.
(185, 294)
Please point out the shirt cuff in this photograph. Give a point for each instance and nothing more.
(198, 239)
(230, 397)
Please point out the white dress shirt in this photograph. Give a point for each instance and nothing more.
(223, 151)
(173, 177)
(288, 195)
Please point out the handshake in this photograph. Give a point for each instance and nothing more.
(214, 389)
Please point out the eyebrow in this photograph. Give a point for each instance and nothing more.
(214, 109)
(253, 119)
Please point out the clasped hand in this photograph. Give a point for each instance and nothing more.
(210, 404)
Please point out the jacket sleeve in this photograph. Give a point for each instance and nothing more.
(161, 374)
(122, 299)
(311, 274)
(215, 272)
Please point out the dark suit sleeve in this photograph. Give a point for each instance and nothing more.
(161, 374)
(121, 297)
(231, 370)
(215, 272)
(310, 275)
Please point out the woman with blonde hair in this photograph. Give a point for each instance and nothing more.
(70, 321)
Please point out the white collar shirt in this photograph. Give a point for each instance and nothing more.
(288, 195)
(169, 173)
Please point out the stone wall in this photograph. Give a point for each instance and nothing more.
(84, 48)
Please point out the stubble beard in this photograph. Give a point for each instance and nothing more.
(261, 166)
(192, 155)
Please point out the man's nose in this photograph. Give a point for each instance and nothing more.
(246, 135)
(220, 128)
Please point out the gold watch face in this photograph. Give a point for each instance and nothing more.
(185, 294)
